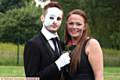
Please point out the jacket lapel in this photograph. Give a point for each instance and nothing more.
(46, 45)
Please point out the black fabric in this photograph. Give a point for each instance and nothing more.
(39, 59)
(55, 42)
(84, 69)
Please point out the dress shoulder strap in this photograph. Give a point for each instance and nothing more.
(87, 41)
(83, 48)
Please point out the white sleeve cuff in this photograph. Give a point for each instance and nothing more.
(57, 65)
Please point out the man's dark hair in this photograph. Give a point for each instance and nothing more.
(52, 4)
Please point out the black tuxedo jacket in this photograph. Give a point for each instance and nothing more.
(39, 59)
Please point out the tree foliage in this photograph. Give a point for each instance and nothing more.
(10, 4)
(20, 24)
(105, 22)
(23, 21)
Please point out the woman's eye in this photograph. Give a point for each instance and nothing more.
(78, 24)
(71, 23)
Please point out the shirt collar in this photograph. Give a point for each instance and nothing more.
(48, 35)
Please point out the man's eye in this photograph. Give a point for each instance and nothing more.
(58, 18)
(51, 17)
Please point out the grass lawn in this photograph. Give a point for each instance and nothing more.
(111, 73)
(11, 71)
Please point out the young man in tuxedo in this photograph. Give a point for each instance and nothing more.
(43, 56)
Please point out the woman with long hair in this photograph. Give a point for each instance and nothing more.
(86, 56)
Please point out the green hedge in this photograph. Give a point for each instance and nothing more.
(111, 57)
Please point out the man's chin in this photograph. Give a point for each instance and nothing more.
(53, 31)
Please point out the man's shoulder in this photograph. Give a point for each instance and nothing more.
(38, 39)
(34, 39)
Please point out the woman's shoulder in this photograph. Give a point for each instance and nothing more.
(92, 41)
(92, 44)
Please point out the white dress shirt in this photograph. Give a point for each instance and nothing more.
(48, 35)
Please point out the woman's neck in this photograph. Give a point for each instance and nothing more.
(75, 40)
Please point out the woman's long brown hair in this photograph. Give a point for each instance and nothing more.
(76, 53)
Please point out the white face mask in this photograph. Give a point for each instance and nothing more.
(53, 14)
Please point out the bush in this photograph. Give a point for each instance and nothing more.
(111, 57)
(20, 25)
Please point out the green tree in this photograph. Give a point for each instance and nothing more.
(20, 24)
(10, 4)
